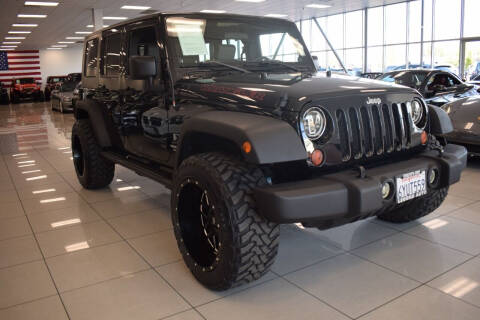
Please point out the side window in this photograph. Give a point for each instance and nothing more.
(143, 42)
(113, 46)
(91, 58)
(452, 81)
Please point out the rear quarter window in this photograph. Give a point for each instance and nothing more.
(91, 58)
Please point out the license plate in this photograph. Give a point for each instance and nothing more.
(411, 185)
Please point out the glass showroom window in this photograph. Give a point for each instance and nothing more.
(320, 44)
(335, 32)
(396, 23)
(375, 59)
(415, 21)
(447, 19)
(414, 55)
(471, 27)
(447, 53)
(427, 20)
(375, 26)
(307, 32)
(354, 29)
(395, 57)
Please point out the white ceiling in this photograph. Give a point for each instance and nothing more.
(73, 15)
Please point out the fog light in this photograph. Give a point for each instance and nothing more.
(386, 190)
(432, 176)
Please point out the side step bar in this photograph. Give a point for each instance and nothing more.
(154, 172)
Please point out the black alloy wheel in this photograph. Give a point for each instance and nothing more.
(198, 223)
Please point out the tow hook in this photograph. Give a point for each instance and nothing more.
(362, 173)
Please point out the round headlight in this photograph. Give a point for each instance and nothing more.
(417, 112)
(314, 123)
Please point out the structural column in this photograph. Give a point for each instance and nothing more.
(97, 19)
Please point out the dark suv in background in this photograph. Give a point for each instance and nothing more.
(52, 82)
(229, 113)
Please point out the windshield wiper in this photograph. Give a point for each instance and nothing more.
(278, 63)
(223, 64)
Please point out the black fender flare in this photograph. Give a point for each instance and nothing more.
(440, 122)
(93, 111)
(272, 140)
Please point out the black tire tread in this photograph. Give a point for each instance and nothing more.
(255, 239)
(99, 171)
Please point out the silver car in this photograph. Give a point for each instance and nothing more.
(62, 96)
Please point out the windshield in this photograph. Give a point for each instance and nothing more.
(405, 78)
(69, 85)
(25, 81)
(246, 43)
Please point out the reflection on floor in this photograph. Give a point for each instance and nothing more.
(66, 252)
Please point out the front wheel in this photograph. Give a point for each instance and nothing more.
(223, 240)
(93, 171)
(416, 208)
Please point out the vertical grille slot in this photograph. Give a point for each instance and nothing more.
(344, 136)
(356, 141)
(367, 132)
(378, 129)
(399, 126)
(407, 124)
(389, 133)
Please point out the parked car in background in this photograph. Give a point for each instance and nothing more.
(25, 88)
(475, 81)
(475, 71)
(4, 99)
(77, 94)
(436, 86)
(52, 82)
(74, 77)
(62, 96)
(465, 115)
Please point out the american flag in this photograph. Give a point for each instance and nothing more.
(19, 64)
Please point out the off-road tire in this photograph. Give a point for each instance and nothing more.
(416, 208)
(93, 170)
(248, 243)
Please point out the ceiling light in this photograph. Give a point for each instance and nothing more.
(138, 7)
(15, 38)
(67, 42)
(9, 46)
(19, 32)
(115, 18)
(40, 3)
(25, 25)
(21, 15)
(250, 0)
(276, 15)
(83, 32)
(318, 6)
(11, 42)
(74, 38)
(7, 49)
(59, 46)
(54, 48)
(91, 26)
(213, 11)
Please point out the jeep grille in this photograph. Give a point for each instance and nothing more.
(374, 130)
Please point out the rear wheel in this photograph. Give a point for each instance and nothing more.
(416, 208)
(93, 171)
(223, 240)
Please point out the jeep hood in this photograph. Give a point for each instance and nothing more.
(287, 91)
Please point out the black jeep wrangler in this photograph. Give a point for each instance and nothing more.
(229, 113)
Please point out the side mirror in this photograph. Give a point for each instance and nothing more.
(142, 67)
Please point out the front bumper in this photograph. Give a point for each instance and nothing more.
(343, 197)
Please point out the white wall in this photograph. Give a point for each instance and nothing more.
(60, 62)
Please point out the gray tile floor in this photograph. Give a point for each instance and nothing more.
(70, 253)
